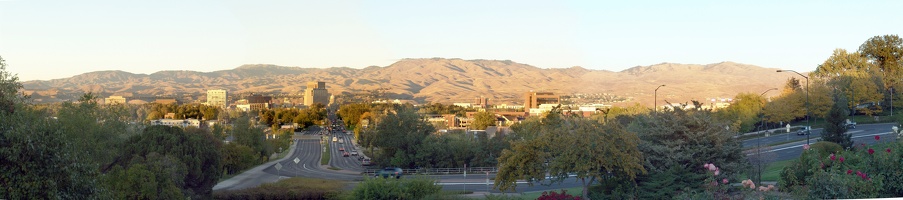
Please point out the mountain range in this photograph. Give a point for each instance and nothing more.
(433, 80)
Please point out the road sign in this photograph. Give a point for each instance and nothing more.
(278, 166)
(297, 160)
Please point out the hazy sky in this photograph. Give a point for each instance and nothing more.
(57, 39)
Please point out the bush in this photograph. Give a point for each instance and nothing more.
(292, 188)
(861, 172)
(386, 188)
(826, 148)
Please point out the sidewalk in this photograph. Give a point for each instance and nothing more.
(253, 173)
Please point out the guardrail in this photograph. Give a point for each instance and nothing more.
(435, 171)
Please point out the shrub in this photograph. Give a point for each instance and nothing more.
(292, 188)
(825, 147)
(862, 172)
(386, 188)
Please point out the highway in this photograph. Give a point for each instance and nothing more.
(862, 134)
(308, 150)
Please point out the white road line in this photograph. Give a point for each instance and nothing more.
(801, 145)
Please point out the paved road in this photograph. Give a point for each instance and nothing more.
(863, 134)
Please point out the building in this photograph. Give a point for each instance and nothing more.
(115, 100)
(316, 93)
(181, 123)
(481, 102)
(217, 98)
(534, 99)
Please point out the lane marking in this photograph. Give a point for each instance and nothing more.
(801, 145)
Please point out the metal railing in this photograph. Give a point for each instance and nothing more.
(437, 171)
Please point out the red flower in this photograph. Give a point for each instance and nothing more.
(849, 171)
(877, 137)
(888, 150)
(724, 181)
(832, 156)
(841, 159)
(871, 151)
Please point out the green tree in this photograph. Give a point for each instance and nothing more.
(484, 119)
(382, 188)
(398, 137)
(238, 157)
(854, 77)
(569, 145)
(197, 151)
(677, 144)
(886, 52)
(35, 162)
(835, 126)
(251, 136)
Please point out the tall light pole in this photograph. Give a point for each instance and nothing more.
(808, 123)
(655, 104)
(759, 156)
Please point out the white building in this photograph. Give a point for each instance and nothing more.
(181, 123)
(115, 100)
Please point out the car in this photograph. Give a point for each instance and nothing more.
(354, 153)
(341, 148)
(850, 124)
(345, 154)
(803, 131)
(390, 172)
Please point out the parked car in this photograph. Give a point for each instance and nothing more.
(390, 172)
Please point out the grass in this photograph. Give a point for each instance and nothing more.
(773, 170)
(324, 159)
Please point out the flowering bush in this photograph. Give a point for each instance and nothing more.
(860, 172)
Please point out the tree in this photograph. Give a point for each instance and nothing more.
(398, 137)
(677, 144)
(562, 145)
(744, 112)
(484, 119)
(835, 126)
(34, 159)
(197, 151)
(886, 52)
(854, 77)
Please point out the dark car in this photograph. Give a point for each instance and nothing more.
(390, 172)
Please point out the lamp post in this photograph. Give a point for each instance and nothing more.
(759, 157)
(655, 103)
(763, 106)
(808, 123)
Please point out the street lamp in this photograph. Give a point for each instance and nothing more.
(655, 103)
(759, 141)
(763, 106)
(808, 123)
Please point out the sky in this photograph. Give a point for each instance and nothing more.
(42, 40)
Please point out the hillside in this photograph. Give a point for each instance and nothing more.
(431, 80)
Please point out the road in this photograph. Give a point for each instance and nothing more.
(863, 134)
(309, 149)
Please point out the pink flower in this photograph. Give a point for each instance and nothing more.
(877, 137)
(724, 181)
(888, 150)
(752, 185)
(805, 147)
(849, 171)
(770, 187)
(832, 156)
(717, 172)
(841, 159)
(871, 151)
(712, 167)
(706, 166)
(714, 183)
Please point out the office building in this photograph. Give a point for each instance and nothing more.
(534, 99)
(316, 93)
(217, 98)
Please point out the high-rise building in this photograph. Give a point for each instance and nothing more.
(316, 93)
(534, 99)
(217, 98)
(481, 102)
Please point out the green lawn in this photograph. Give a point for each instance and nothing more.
(773, 170)
(576, 191)
(325, 159)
